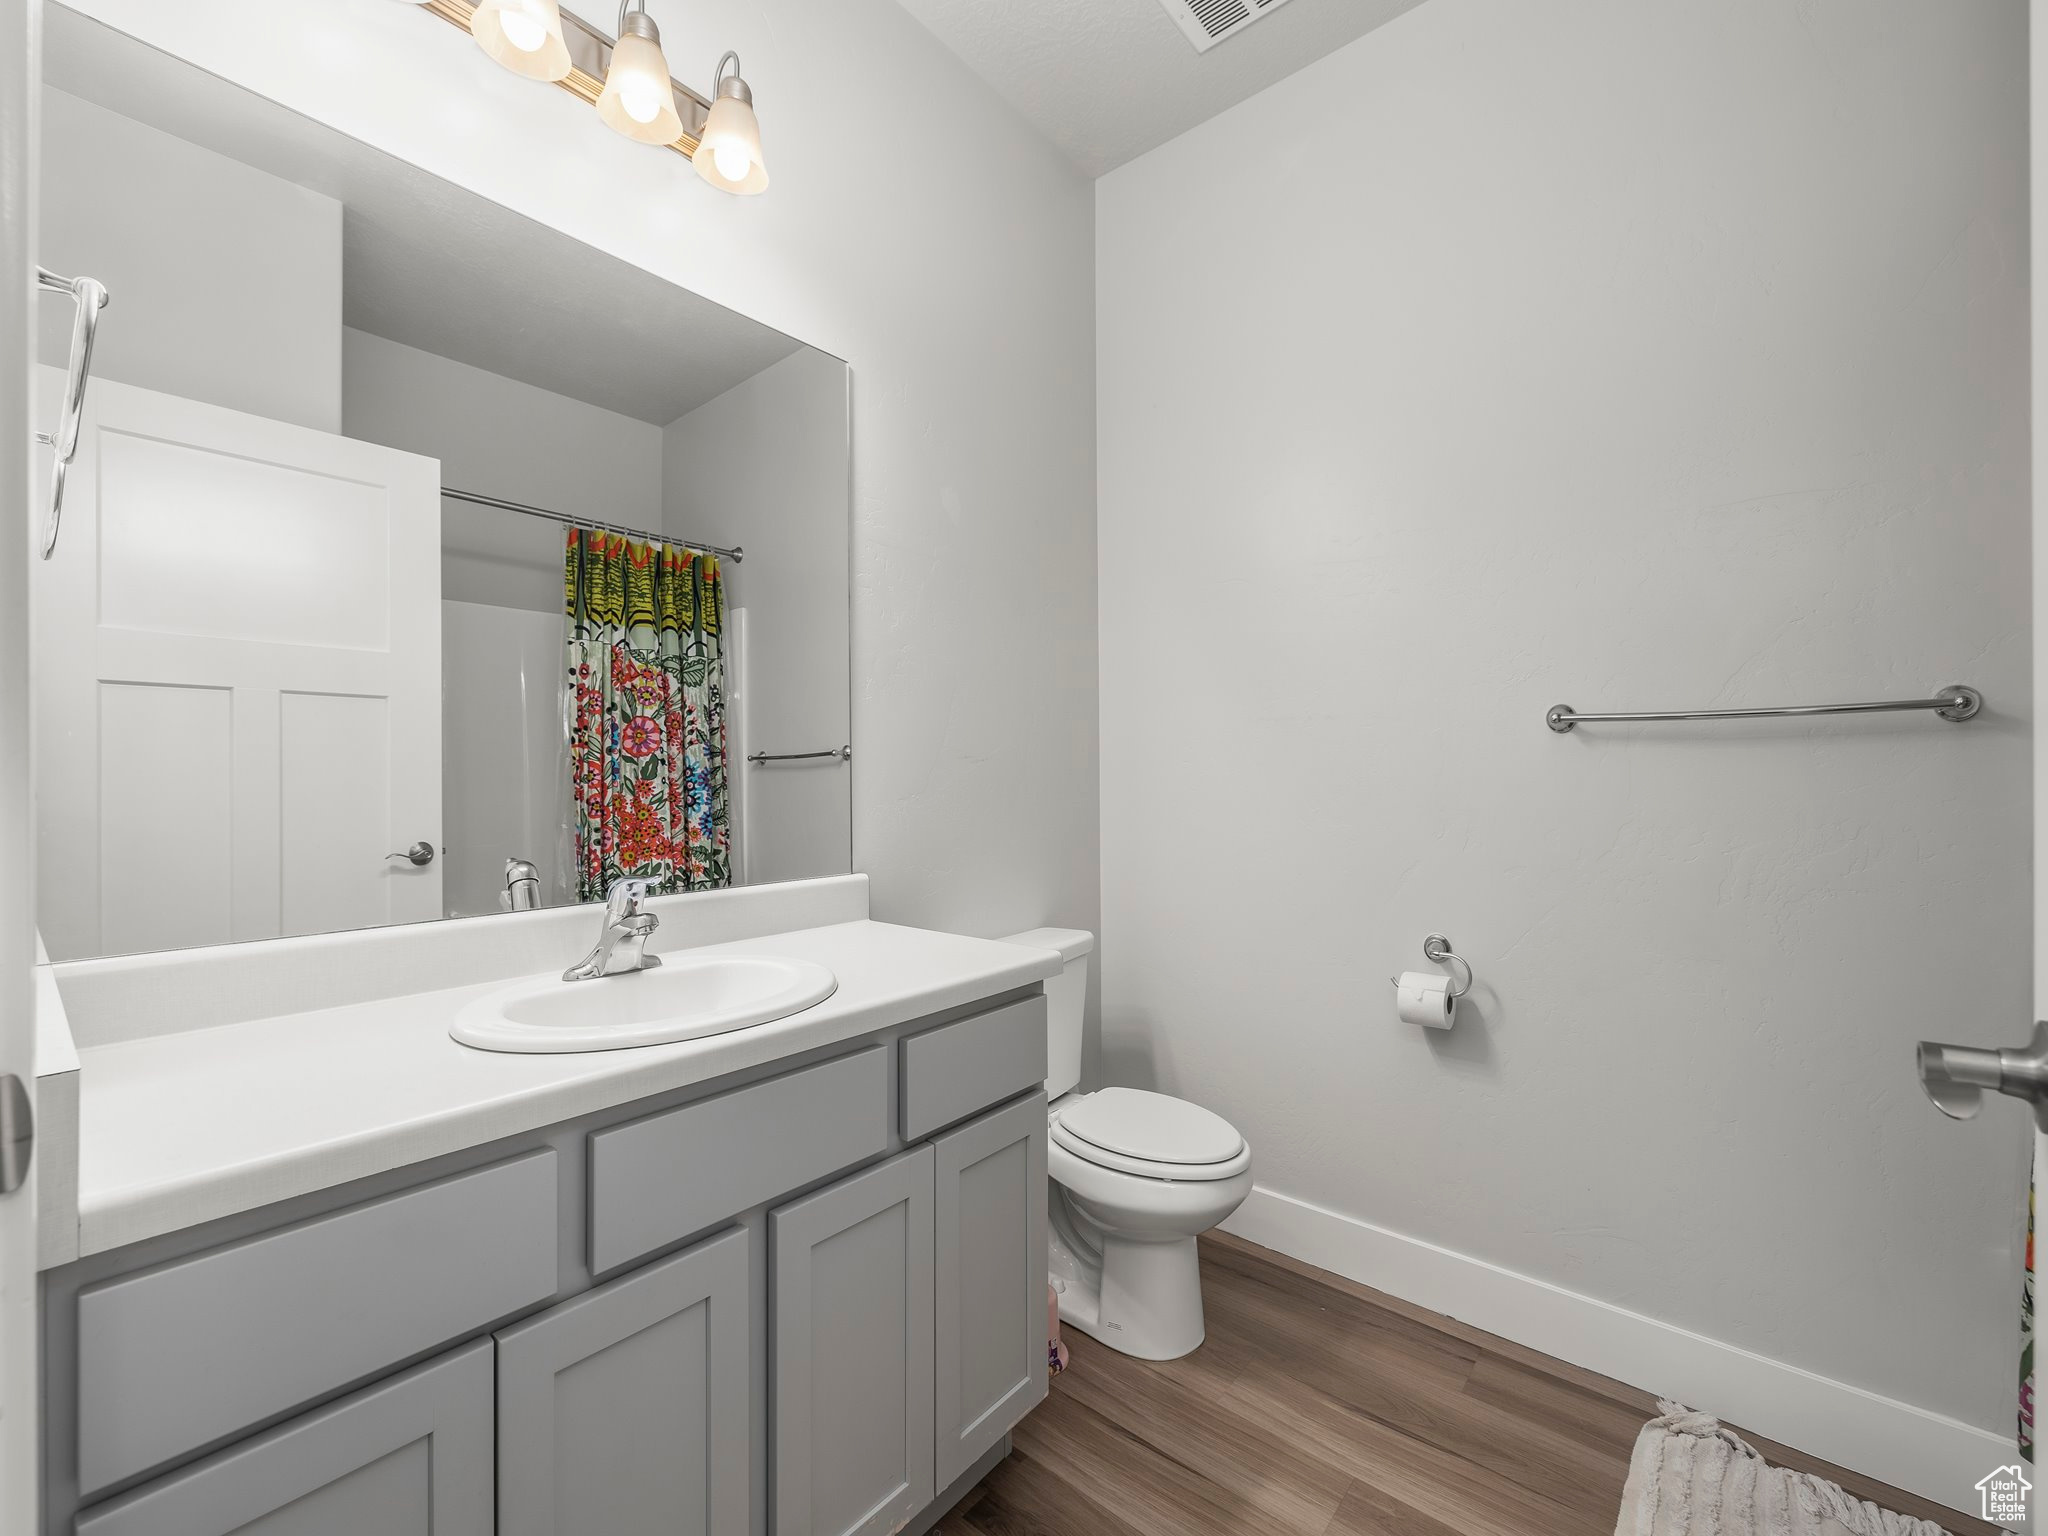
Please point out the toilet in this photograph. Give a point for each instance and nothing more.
(1135, 1178)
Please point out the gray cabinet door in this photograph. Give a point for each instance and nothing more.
(851, 1330)
(408, 1457)
(630, 1410)
(990, 1220)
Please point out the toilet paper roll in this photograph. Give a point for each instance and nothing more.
(1424, 997)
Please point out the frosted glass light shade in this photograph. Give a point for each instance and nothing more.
(729, 157)
(638, 99)
(523, 35)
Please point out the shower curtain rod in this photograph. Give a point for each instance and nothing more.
(735, 554)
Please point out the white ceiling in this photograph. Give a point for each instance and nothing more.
(1107, 80)
(426, 263)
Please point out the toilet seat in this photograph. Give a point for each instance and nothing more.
(1150, 1136)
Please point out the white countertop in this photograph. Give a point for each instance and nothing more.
(182, 1128)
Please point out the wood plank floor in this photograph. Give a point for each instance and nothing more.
(1319, 1407)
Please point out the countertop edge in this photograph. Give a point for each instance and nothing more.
(124, 1216)
(54, 1162)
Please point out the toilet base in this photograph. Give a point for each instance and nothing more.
(1140, 1297)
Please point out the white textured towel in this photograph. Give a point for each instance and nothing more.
(1691, 1477)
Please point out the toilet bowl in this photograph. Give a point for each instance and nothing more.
(1124, 1216)
(1135, 1178)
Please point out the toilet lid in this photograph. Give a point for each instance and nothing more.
(1151, 1128)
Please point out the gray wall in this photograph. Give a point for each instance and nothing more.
(1628, 355)
(225, 282)
(764, 466)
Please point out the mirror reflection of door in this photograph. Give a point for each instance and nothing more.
(237, 655)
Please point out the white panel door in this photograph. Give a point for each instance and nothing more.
(20, 77)
(238, 671)
(2031, 1376)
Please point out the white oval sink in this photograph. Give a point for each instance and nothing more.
(684, 998)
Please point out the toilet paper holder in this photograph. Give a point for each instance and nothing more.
(1437, 950)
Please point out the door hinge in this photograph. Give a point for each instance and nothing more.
(17, 1133)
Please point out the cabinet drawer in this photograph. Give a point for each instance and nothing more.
(657, 1180)
(178, 1357)
(956, 1069)
(409, 1454)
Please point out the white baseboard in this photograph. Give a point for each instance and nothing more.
(1926, 1453)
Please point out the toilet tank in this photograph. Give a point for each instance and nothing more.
(1066, 1000)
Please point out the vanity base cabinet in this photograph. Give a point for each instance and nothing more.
(760, 1307)
(629, 1410)
(408, 1457)
(990, 1194)
(851, 1346)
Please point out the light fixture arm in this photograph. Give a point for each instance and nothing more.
(635, 22)
(739, 86)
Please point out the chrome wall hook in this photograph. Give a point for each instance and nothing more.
(90, 297)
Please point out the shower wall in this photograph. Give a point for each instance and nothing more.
(1617, 354)
(504, 772)
(764, 465)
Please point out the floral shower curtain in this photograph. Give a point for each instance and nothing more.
(646, 697)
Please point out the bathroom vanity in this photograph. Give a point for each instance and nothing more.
(336, 1273)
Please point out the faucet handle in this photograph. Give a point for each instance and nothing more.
(625, 894)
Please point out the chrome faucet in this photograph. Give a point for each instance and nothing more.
(522, 885)
(621, 947)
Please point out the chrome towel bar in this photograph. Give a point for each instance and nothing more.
(842, 754)
(1952, 701)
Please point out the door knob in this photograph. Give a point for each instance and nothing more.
(419, 854)
(1955, 1076)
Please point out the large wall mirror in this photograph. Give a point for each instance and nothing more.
(417, 560)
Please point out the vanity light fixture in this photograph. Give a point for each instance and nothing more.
(523, 35)
(626, 78)
(730, 155)
(637, 99)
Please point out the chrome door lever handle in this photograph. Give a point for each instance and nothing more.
(17, 1133)
(420, 855)
(1955, 1076)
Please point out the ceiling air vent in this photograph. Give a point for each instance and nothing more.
(1208, 22)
